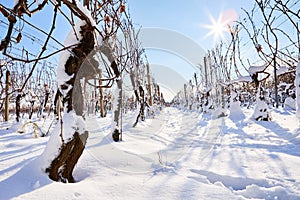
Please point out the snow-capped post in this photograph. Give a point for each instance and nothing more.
(186, 96)
(101, 103)
(107, 51)
(275, 82)
(191, 95)
(19, 96)
(149, 84)
(206, 83)
(117, 111)
(159, 97)
(7, 86)
(196, 80)
(45, 100)
(297, 84)
(140, 96)
(57, 104)
(31, 109)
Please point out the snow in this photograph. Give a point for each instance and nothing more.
(282, 70)
(204, 89)
(71, 123)
(261, 110)
(73, 38)
(243, 79)
(289, 103)
(86, 11)
(176, 155)
(297, 85)
(236, 113)
(254, 69)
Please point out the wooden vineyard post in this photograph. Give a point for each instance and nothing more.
(7, 86)
(102, 112)
(149, 85)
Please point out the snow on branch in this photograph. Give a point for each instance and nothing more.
(256, 69)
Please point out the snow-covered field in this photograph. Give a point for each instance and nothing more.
(176, 155)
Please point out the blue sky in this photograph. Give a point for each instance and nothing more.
(190, 19)
(186, 17)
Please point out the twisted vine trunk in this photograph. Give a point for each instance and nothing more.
(117, 130)
(140, 96)
(117, 110)
(62, 166)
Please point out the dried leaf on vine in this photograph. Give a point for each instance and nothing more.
(122, 8)
(19, 37)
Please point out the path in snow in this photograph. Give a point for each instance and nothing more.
(154, 143)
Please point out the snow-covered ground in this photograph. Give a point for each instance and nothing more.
(176, 155)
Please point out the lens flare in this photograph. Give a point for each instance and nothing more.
(220, 25)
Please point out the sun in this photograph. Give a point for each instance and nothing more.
(217, 28)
